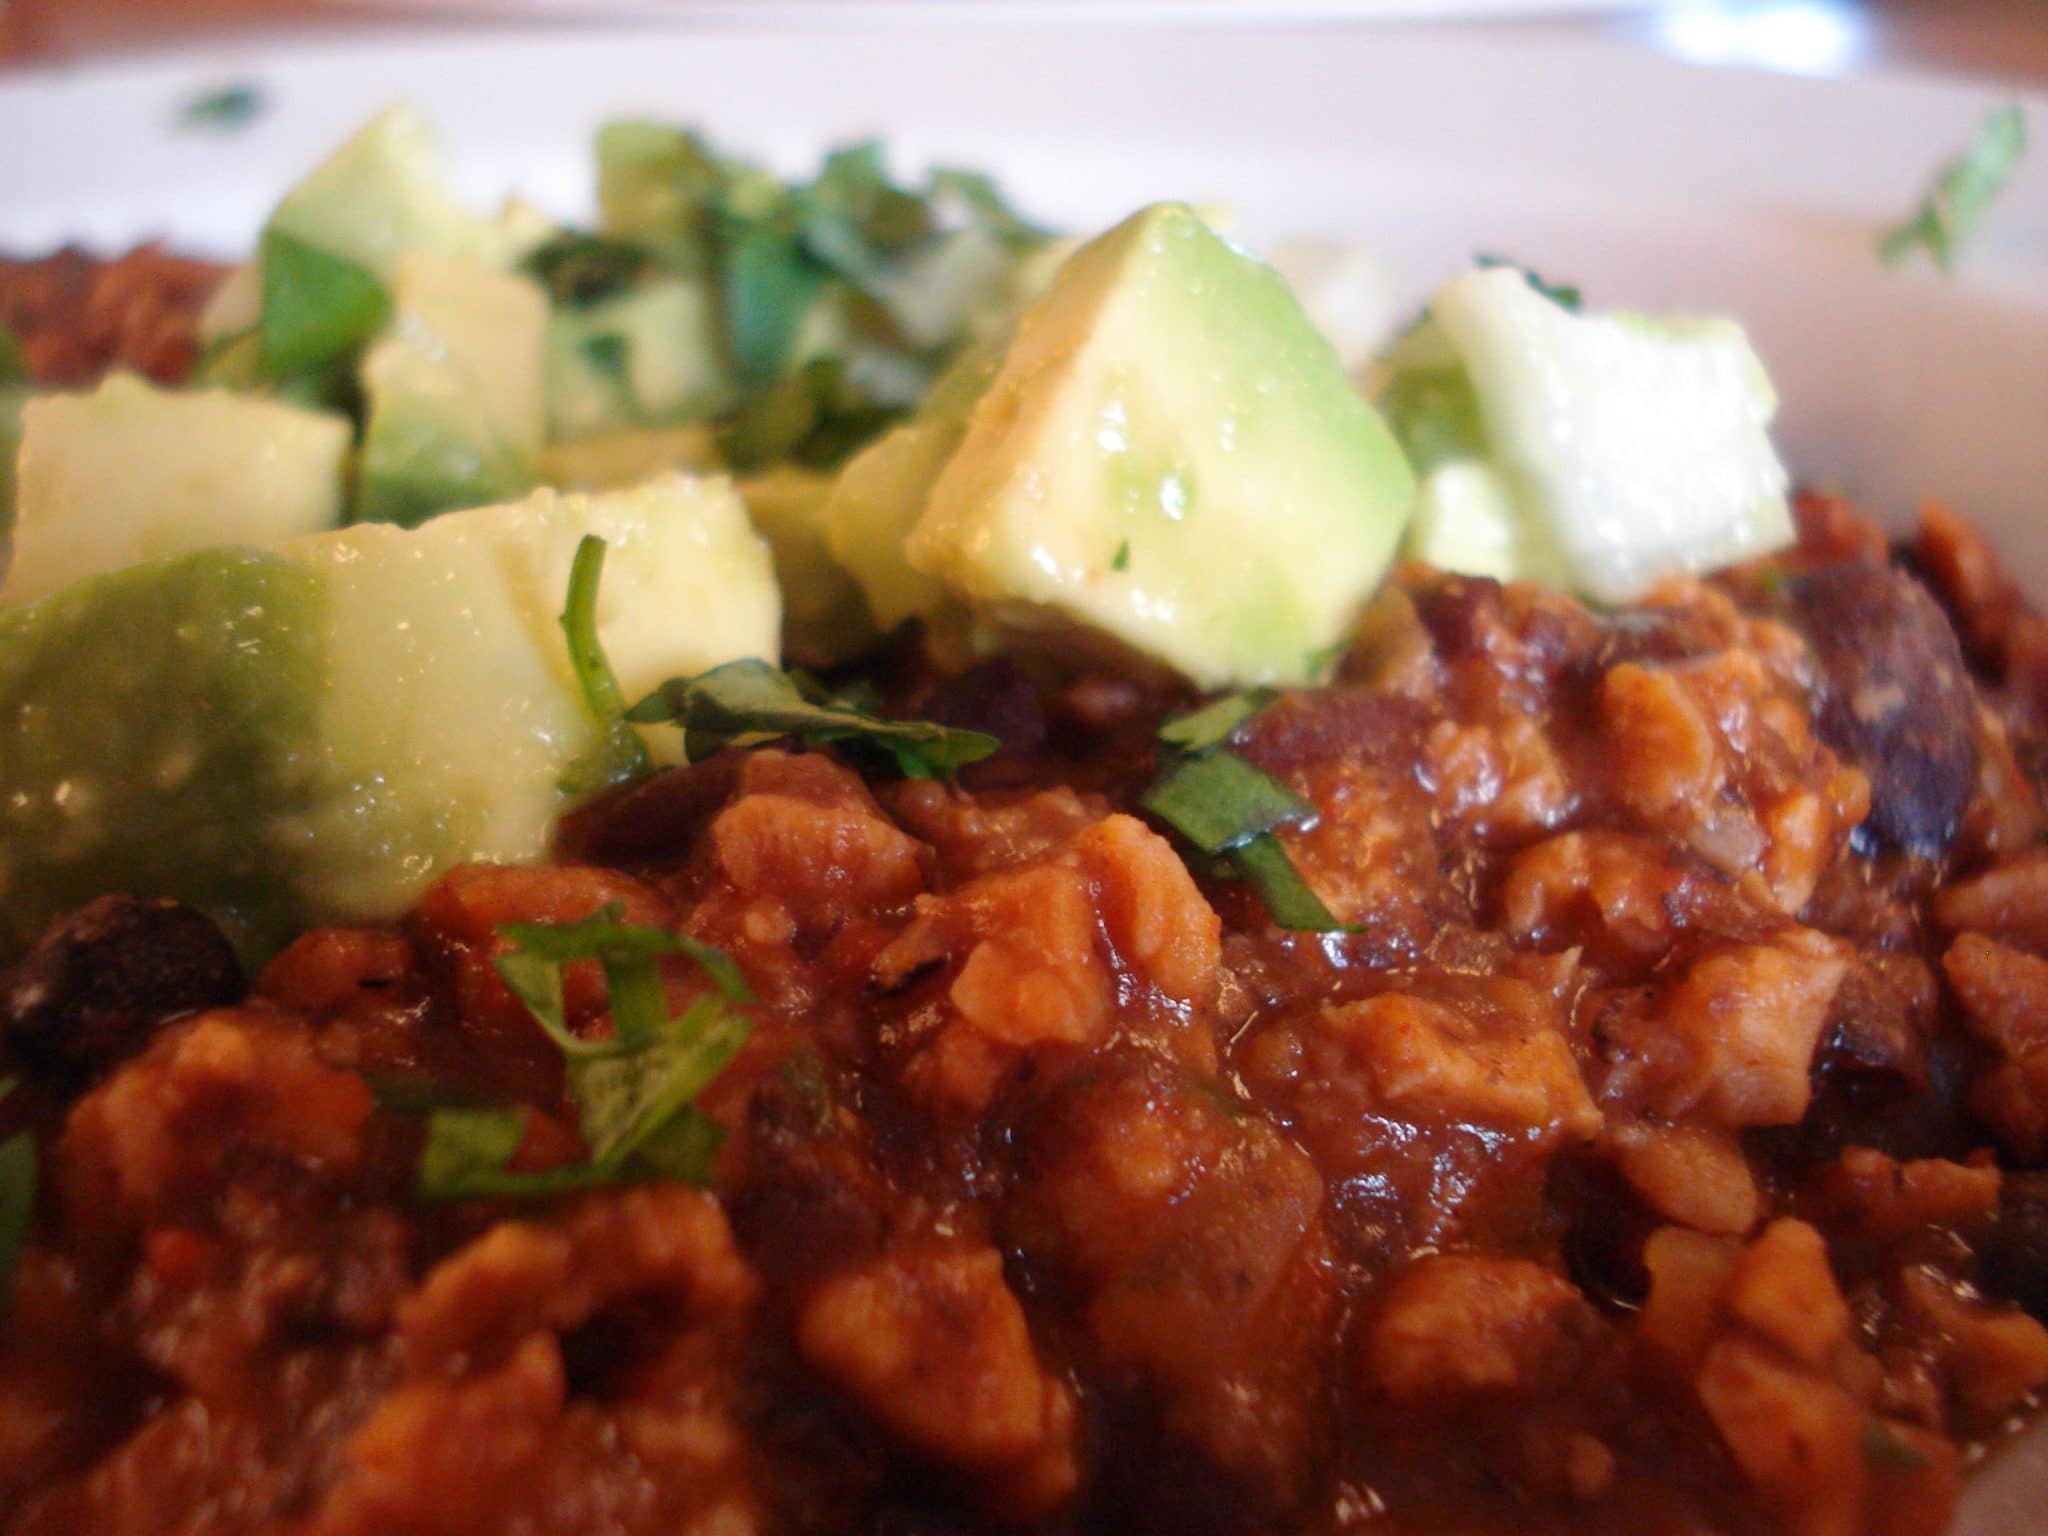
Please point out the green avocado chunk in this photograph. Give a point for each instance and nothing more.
(313, 733)
(824, 617)
(648, 356)
(1170, 455)
(457, 412)
(333, 245)
(1602, 452)
(130, 472)
(152, 718)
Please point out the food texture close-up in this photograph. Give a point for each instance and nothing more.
(1075, 777)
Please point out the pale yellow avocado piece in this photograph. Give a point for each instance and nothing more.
(824, 617)
(385, 194)
(313, 733)
(448, 713)
(131, 472)
(881, 493)
(457, 403)
(1170, 455)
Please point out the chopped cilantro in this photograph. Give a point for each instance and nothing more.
(224, 110)
(1564, 295)
(1228, 809)
(581, 269)
(317, 306)
(1215, 723)
(832, 320)
(1121, 560)
(769, 286)
(619, 755)
(748, 701)
(1961, 194)
(1220, 802)
(634, 1092)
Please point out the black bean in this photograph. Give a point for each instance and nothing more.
(2014, 1254)
(101, 981)
(1899, 702)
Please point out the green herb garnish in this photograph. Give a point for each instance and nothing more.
(317, 307)
(1962, 192)
(224, 110)
(581, 269)
(743, 702)
(1564, 295)
(620, 755)
(1215, 723)
(1121, 560)
(837, 297)
(634, 1092)
(17, 1199)
(1219, 802)
(1228, 809)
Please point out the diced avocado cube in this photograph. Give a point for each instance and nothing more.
(1633, 448)
(334, 244)
(131, 472)
(312, 733)
(658, 185)
(824, 617)
(881, 493)
(448, 713)
(382, 196)
(650, 355)
(155, 719)
(457, 412)
(1466, 521)
(1171, 455)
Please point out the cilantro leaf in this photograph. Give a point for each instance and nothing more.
(1289, 900)
(1228, 808)
(581, 269)
(749, 701)
(317, 306)
(17, 1199)
(769, 286)
(1962, 192)
(619, 755)
(634, 1092)
(1564, 295)
(1218, 801)
(1215, 723)
(855, 221)
(223, 110)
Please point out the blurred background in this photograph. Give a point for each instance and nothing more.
(2004, 41)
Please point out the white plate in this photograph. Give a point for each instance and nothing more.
(757, 13)
(1645, 181)
(1648, 183)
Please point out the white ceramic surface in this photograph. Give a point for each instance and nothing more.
(759, 13)
(1648, 183)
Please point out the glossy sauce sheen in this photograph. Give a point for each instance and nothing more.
(1650, 1158)
(1653, 1157)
